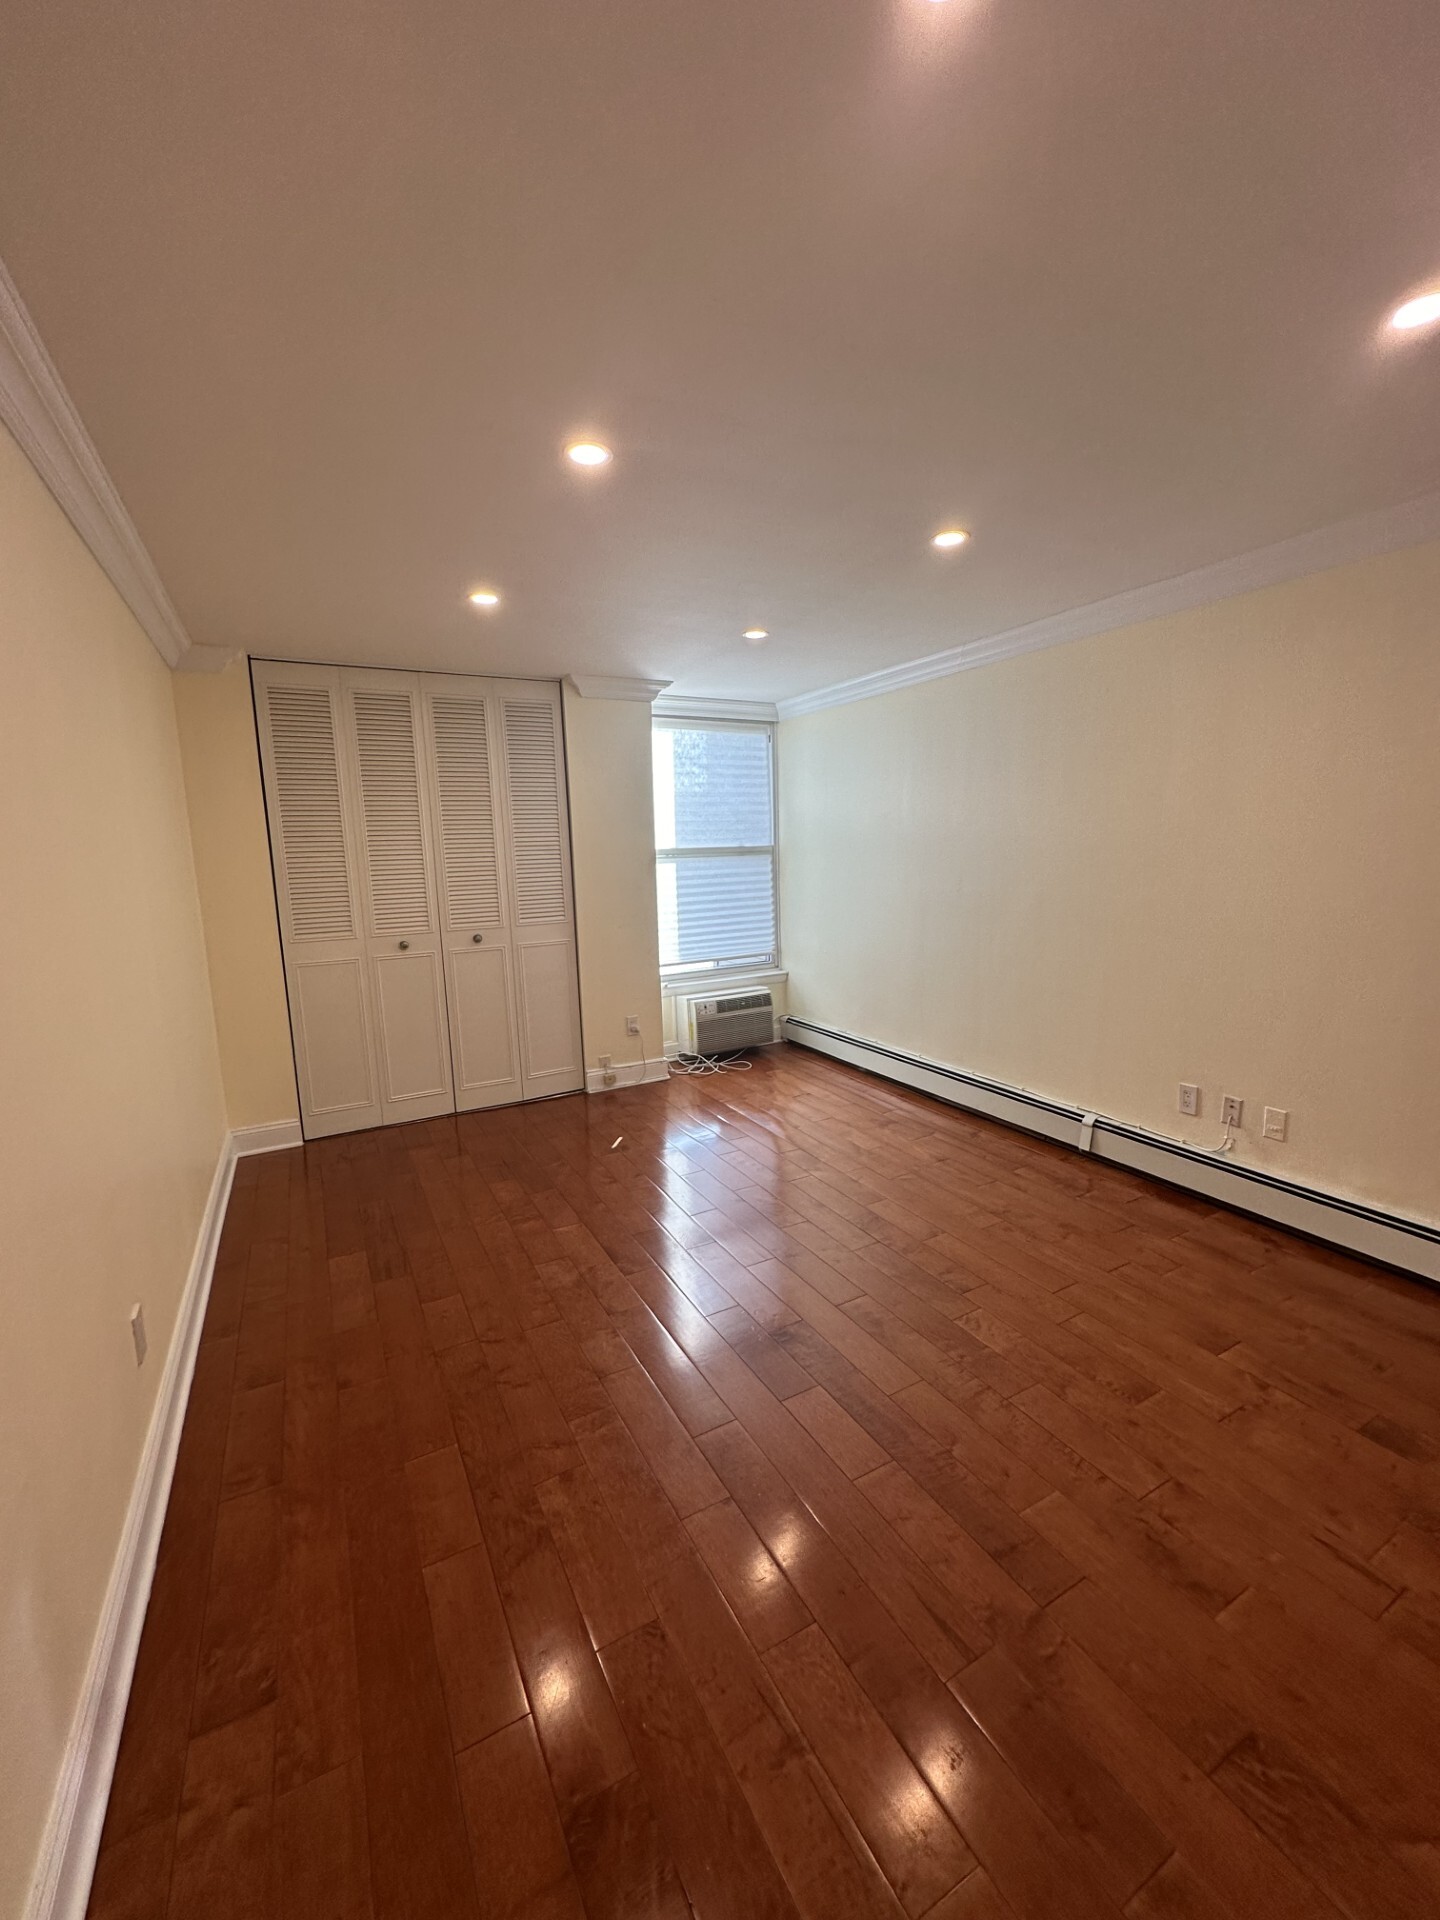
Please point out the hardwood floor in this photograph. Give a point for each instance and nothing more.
(781, 1494)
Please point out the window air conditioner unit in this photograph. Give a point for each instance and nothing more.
(727, 1022)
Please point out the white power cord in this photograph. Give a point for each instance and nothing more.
(1224, 1147)
(709, 1063)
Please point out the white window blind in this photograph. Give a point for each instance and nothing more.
(714, 844)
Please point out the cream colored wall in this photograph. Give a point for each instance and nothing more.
(1206, 848)
(612, 834)
(111, 1111)
(237, 894)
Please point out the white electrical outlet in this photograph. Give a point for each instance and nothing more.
(1232, 1111)
(137, 1333)
(1277, 1121)
(1189, 1097)
(632, 1023)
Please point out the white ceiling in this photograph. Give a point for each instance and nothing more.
(332, 283)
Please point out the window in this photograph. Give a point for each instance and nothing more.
(714, 844)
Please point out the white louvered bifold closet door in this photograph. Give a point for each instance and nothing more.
(398, 898)
(537, 867)
(462, 721)
(421, 845)
(317, 889)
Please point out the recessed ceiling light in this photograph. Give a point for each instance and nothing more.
(756, 634)
(1423, 311)
(484, 597)
(950, 537)
(588, 453)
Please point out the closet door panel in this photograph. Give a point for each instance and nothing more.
(316, 861)
(538, 861)
(402, 929)
(481, 1020)
(465, 768)
(332, 1051)
(414, 1048)
(550, 1029)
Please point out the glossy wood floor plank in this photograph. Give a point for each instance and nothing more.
(720, 1851)
(822, 1502)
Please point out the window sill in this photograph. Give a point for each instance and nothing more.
(672, 989)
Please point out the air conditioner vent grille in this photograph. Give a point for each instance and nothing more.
(729, 1024)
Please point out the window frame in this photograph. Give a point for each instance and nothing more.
(699, 972)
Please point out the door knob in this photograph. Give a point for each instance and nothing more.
(477, 938)
(404, 946)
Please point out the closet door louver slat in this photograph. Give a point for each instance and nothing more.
(398, 883)
(316, 878)
(532, 756)
(469, 855)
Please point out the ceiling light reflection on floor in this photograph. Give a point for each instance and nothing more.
(787, 1543)
(552, 1689)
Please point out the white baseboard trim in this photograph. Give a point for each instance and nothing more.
(66, 1865)
(267, 1139)
(1370, 1232)
(628, 1073)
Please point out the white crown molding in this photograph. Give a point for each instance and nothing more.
(589, 686)
(1363, 538)
(40, 413)
(682, 706)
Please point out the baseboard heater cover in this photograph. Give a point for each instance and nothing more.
(1373, 1234)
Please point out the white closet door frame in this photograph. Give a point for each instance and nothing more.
(332, 1019)
(388, 768)
(461, 713)
(547, 980)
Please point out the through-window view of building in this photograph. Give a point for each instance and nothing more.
(718, 1041)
